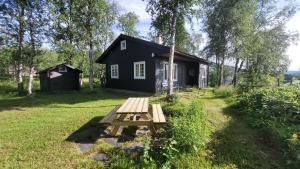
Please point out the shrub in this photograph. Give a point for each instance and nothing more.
(174, 109)
(190, 129)
(273, 104)
(277, 109)
(225, 91)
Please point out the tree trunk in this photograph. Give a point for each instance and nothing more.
(91, 69)
(235, 72)
(171, 58)
(81, 79)
(30, 80)
(32, 54)
(221, 77)
(20, 52)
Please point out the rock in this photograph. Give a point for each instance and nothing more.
(137, 146)
(85, 147)
(142, 132)
(112, 141)
(100, 157)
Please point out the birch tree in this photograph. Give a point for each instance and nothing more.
(37, 20)
(13, 25)
(90, 16)
(127, 24)
(167, 12)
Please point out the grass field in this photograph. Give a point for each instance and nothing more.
(36, 131)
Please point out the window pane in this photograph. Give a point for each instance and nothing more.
(166, 71)
(142, 70)
(137, 74)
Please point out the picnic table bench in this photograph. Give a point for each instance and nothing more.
(134, 112)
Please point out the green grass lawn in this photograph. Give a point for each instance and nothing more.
(36, 131)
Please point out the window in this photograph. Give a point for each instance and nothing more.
(166, 71)
(114, 71)
(139, 70)
(123, 45)
(62, 69)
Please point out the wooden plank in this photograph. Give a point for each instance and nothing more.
(145, 105)
(126, 106)
(160, 113)
(123, 105)
(134, 104)
(140, 105)
(155, 115)
(110, 116)
(133, 123)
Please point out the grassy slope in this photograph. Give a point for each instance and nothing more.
(233, 143)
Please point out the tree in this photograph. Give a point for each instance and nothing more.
(36, 23)
(64, 32)
(13, 25)
(127, 24)
(167, 12)
(250, 32)
(89, 19)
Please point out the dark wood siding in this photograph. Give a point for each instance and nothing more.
(125, 59)
(52, 80)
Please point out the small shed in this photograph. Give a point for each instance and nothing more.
(60, 77)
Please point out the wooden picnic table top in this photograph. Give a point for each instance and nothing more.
(134, 105)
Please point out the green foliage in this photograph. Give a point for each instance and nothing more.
(264, 106)
(247, 82)
(174, 108)
(190, 130)
(127, 24)
(276, 109)
(225, 91)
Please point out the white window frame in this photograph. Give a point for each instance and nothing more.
(138, 76)
(166, 70)
(114, 69)
(123, 47)
(62, 69)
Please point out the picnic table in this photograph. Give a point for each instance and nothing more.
(134, 112)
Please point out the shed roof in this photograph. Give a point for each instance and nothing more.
(147, 43)
(67, 65)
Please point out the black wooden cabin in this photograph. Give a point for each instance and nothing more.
(139, 65)
(61, 77)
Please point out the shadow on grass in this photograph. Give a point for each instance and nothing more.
(90, 132)
(42, 99)
(240, 146)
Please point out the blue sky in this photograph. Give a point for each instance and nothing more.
(139, 7)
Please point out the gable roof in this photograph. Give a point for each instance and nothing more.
(147, 43)
(64, 64)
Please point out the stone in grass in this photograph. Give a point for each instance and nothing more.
(85, 147)
(101, 157)
(112, 141)
(134, 147)
(142, 132)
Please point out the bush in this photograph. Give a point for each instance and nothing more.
(174, 109)
(190, 129)
(264, 106)
(225, 91)
(277, 109)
